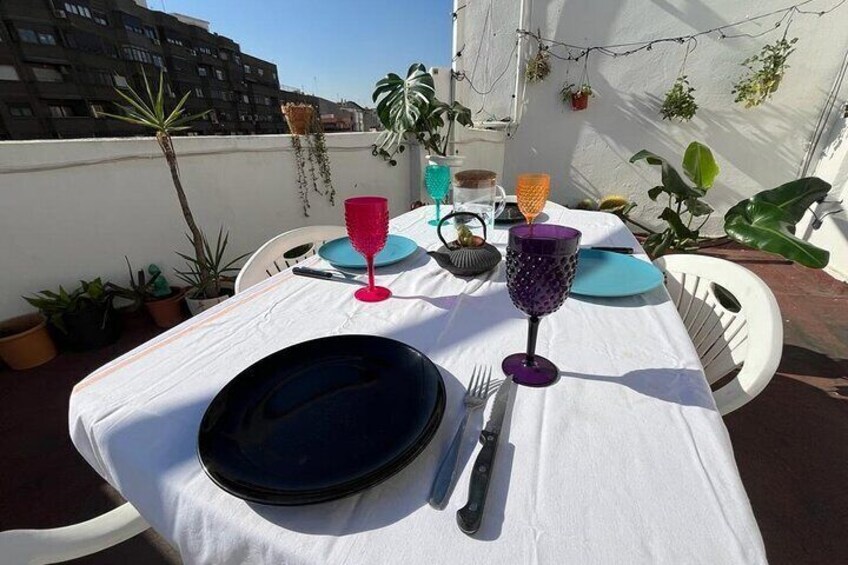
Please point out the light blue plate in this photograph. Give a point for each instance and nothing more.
(340, 253)
(607, 274)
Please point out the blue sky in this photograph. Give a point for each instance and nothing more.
(334, 48)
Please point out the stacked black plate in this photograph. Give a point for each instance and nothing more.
(321, 420)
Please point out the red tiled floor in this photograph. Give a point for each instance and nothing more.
(791, 443)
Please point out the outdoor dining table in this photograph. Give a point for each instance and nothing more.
(623, 460)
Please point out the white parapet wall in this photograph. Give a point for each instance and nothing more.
(71, 210)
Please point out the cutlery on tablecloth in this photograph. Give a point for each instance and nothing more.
(625, 250)
(324, 275)
(475, 397)
(470, 516)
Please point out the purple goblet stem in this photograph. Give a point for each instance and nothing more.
(532, 334)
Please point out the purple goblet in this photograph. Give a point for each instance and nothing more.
(540, 264)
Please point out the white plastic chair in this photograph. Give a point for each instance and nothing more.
(35, 547)
(283, 252)
(726, 339)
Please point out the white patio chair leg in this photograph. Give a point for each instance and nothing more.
(34, 547)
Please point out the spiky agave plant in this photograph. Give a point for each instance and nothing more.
(151, 113)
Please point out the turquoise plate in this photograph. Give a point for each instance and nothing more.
(340, 253)
(607, 274)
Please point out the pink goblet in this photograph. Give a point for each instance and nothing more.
(367, 221)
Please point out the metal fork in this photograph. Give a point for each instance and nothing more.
(475, 397)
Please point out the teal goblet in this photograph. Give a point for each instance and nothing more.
(437, 179)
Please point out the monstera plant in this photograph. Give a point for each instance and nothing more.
(766, 221)
(408, 108)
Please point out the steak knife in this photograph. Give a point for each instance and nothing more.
(470, 516)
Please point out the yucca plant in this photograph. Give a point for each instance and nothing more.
(150, 113)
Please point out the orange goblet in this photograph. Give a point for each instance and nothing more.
(532, 192)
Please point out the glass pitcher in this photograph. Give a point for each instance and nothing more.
(476, 191)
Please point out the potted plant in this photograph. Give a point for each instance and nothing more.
(208, 282)
(299, 117)
(84, 318)
(25, 342)
(409, 110)
(539, 66)
(759, 84)
(577, 97)
(766, 221)
(315, 155)
(679, 102)
(162, 302)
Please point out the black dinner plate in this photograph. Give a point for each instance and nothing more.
(510, 214)
(321, 420)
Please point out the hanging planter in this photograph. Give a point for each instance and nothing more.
(298, 117)
(765, 72)
(679, 103)
(539, 66)
(577, 98)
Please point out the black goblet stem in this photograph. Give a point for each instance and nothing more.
(532, 334)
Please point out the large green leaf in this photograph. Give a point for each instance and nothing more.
(699, 165)
(767, 221)
(672, 182)
(400, 102)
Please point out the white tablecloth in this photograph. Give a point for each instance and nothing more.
(624, 460)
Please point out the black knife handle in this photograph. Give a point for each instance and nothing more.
(313, 273)
(625, 250)
(470, 516)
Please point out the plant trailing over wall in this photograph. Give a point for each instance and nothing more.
(765, 72)
(408, 108)
(679, 101)
(314, 154)
(765, 221)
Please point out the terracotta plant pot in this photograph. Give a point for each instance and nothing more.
(579, 101)
(299, 117)
(25, 342)
(167, 312)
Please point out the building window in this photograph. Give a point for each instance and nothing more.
(120, 81)
(202, 71)
(175, 41)
(97, 110)
(78, 9)
(133, 53)
(61, 111)
(245, 98)
(261, 72)
(219, 74)
(47, 74)
(100, 18)
(247, 69)
(199, 92)
(205, 50)
(8, 72)
(46, 38)
(97, 76)
(20, 110)
(237, 59)
(267, 101)
(150, 32)
(27, 35)
(223, 55)
(133, 24)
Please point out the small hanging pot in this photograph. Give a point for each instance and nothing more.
(466, 261)
(579, 100)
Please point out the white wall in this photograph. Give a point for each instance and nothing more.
(73, 209)
(833, 233)
(587, 152)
